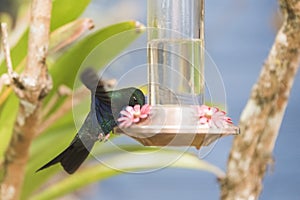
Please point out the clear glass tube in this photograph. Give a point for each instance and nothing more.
(175, 52)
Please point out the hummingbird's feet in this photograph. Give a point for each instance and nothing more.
(106, 137)
(103, 137)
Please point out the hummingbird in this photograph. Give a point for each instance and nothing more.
(100, 121)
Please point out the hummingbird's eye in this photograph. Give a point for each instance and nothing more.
(134, 99)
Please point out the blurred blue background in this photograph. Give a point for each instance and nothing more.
(239, 35)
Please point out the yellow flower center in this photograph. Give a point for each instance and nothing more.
(208, 114)
(136, 114)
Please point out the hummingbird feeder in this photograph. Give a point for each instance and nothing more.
(176, 81)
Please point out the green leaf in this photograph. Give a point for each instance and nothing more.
(66, 67)
(8, 115)
(65, 11)
(100, 47)
(17, 53)
(41, 152)
(123, 163)
(68, 33)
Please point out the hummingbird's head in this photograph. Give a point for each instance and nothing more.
(126, 97)
(137, 98)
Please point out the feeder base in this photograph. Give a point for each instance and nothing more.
(175, 126)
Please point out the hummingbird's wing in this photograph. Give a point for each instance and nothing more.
(90, 79)
(102, 95)
(101, 99)
(103, 109)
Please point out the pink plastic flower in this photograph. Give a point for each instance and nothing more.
(213, 117)
(133, 115)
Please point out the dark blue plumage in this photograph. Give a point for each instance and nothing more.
(104, 116)
(105, 108)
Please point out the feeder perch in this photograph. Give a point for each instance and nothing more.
(175, 78)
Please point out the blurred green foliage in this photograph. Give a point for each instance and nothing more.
(10, 8)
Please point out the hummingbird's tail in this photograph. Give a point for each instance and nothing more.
(72, 157)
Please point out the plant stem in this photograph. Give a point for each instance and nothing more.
(33, 85)
(261, 119)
